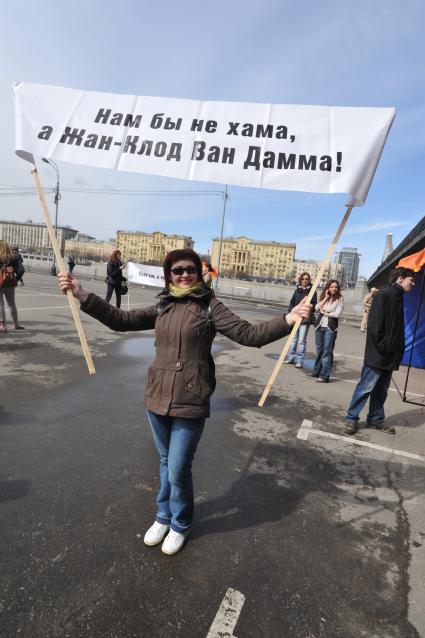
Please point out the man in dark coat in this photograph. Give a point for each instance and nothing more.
(71, 263)
(18, 265)
(383, 353)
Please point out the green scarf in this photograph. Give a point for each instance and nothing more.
(175, 291)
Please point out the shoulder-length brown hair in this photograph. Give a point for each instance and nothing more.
(338, 294)
(114, 255)
(5, 252)
(303, 274)
(177, 255)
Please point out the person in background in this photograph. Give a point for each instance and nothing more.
(208, 272)
(19, 268)
(7, 289)
(367, 305)
(114, 277)
(181, 379)
(300, 339)
(330, 306)
(383, 352)
(71, 263)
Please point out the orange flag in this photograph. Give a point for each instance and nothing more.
(415, 261)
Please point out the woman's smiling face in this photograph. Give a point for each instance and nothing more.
(333, 289)
(184, 273)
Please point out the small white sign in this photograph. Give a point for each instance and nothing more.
(146, 275)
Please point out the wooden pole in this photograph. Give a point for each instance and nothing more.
(60, 262)
(308, 300)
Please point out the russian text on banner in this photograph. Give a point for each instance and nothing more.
(321, 149)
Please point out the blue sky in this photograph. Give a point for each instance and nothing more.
(332, 52)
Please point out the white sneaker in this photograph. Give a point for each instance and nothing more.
(298, 365)
(155, 534)
(174, 542)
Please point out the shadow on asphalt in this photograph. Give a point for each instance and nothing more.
(409, 419)
(13, 489)
(258, 497)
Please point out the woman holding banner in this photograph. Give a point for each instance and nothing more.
(114, 277)
(182, 377)
(330, 306)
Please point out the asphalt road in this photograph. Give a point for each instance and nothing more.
(308, 537)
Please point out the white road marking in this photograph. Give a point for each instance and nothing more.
(306, 429)
(355, 382)
(25, 293)
(349, 356)
(227, 615)
(21, 310)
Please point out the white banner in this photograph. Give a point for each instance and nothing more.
(324, 149)
(147, 275)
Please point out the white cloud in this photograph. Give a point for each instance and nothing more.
(356, 230)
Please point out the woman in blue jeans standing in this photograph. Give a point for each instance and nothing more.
(181, 379)
(300, 339)
(330, 306)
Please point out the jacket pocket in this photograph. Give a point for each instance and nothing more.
(196, 386)
(152, 384)
(151, 374)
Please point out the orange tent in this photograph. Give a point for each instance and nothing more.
(414, 316)
(415, 261)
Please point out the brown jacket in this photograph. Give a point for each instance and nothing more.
(182, 376)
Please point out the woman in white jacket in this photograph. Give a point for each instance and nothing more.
(330, 306)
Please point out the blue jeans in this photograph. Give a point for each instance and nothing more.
(176, 440)
(300, 339)
(373, 383)
(8, 294)
(325, 342)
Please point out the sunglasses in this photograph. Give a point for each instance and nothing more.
(179, 270)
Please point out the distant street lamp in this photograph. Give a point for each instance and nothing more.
(56, 201)
(220, 246)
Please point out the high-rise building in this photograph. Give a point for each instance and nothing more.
(388, 246)
(258, 258)
(142, 247)
(34, 237)
(349, 258)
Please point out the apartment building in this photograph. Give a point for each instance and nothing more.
(332, 271)
(89, 249)
(256, 258)
(32, 237)
(311, 266)
(142, 247)
(337, 272)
